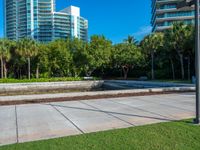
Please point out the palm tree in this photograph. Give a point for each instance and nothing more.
(27, 48)
(5, 55)
(41, 58)
(131, 40)
(151, 44)
(189, 47)
(169, 53)
(178, 37)
(2, 47)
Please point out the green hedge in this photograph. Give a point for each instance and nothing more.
(41, 80)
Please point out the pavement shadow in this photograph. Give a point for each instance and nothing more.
(111, 112)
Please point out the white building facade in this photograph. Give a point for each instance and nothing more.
(39, 20)
(165, 13)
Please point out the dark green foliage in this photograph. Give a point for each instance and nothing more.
(168, 55)
(175, 57)
(126, 56)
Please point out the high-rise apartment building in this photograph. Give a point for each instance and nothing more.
(39, 20)
(165, 13)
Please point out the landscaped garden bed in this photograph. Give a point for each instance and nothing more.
(84, 97)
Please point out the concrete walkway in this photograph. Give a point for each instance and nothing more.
(32, 122)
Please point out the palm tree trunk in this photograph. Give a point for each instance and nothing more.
(29, 68)
(5, 69)
(2, 67)
(20, 73)
(37, 71)
(188, 68)
(152, 66)
(172, 66)
(182, 67)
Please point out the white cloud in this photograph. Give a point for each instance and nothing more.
(143, 31)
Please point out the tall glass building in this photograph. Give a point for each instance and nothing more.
(39, 20)
(165, 13)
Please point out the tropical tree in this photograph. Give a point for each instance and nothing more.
(98, 53)
(27, 48)
(189, 48)
(5, 55)
(177, 37)
(169, 53)
(131, 40)
(151, 44)
(79, 50)
(169, 59)
(59, 58)
(126, 56)
(41, 60)
(2, 49)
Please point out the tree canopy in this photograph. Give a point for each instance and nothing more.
(160, 55)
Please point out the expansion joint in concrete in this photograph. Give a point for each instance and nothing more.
(68, 119)
(16, 122)
(153, 113)
(107, 113)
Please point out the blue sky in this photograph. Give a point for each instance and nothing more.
(116, 19)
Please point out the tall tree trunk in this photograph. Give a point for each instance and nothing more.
(5, 69)
(125, 70)
(37, 71)
(188, 68)
(121, 73)
(29, 68)
(152, 66)
(2, 67)
(182, 67)
(18, 76)
(172, 66)
(20, 73)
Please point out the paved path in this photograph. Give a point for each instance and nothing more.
(23, 123)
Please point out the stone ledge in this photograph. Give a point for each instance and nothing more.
(45, 86)
(92, 94)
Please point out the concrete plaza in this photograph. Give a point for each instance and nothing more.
(22, 123)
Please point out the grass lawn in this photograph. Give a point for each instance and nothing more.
(164, 136)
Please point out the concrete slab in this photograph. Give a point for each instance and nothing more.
(183, 103)
(173, 112)
(43, 121)
(38, 121)
(89, 119)
(168, 100)
(162, 106)
(177, 97)
(8, 134)
(129, 114)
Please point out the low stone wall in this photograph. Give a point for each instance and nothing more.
(21, 88)
(49, 86)
(91, 95)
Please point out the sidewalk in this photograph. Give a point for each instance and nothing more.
(32, 122)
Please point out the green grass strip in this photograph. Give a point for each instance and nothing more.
(163, 136)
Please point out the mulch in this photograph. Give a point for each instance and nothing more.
(76, 98)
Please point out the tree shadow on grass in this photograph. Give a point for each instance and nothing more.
(187, 121)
